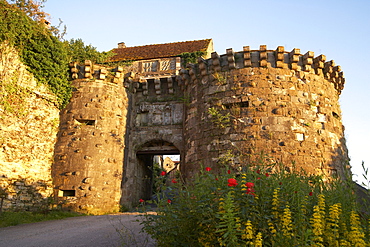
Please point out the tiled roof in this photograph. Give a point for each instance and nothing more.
(159, 50)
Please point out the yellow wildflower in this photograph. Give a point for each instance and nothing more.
(344, 243)
(258, 241)
(304, 205)
(248, 231)
(286, 222)
(332, 233)
(275, 202)
(356, 235)
(272, 228)
(321, 202)
(317, 224)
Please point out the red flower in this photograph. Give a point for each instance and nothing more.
(250, 191)
(267, 175)
(280, 183)
(232, 182)
(258, 171)
(141, 201)
(169, 201)
(258, 178)
(174, 181)
(208, 169)
(163, 173)
(310, 194)
(216, 179)
(228, 171)
(249, 185)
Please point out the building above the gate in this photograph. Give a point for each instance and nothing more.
(156, 51)
(161, 60)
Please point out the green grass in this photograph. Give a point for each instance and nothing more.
(16, 218)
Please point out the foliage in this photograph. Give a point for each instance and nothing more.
(191, 57)
(256, 208)
(219, 119)
(45, 55)
(32, 8)
(79, 52)
(9, 218)
(13, 98)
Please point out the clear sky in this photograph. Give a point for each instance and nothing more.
(339, 29)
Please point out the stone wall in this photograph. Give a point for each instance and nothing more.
(29, 119)
(267, 106)
(239, 109)
(88, 161)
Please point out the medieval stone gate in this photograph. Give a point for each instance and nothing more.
(238, 105)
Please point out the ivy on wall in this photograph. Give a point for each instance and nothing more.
(45, 55)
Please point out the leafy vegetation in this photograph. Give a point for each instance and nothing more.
(258, 207)
(13, 98)
(219, 119)
(45, 55)
(23, 25)
(191, 57)
(79, 52)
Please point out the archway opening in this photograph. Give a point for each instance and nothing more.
(153, 158)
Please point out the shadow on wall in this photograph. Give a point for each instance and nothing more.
(20, 195)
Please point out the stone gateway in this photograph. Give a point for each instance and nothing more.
(241, 108)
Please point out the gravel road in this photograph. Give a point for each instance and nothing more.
(90, 231)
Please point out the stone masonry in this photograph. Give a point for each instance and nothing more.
(29, 119)
(240, 109)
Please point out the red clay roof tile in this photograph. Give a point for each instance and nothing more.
(159, 50)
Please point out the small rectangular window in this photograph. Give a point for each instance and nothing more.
(86, 122)
(64, 193)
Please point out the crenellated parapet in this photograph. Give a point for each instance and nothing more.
(273, 102)
(238, 109)
(88, 70)
(264, 58)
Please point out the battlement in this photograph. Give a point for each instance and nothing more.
(282, 104)
(88, 70)
(264, 58)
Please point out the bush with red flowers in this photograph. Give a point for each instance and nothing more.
(246, 209)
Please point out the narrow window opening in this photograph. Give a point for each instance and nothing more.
(164, 86)
(151, 87)
(86, 122)
(66, 193)
(237, 104)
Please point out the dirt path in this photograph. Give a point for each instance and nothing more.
(90, 231)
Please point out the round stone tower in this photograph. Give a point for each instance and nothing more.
(264, 107)
(88, 165)
(240, 109)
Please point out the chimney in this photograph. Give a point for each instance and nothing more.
(121, 45)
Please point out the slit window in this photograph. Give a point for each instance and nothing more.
(86, 122)
(66, 193)
(237, 104)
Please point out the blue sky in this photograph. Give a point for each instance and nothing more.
(338, 29)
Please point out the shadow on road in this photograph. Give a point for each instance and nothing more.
(86, 231)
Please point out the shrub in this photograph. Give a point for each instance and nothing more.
(256, 208)
(45, 56)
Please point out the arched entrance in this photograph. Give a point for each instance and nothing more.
(150, 162)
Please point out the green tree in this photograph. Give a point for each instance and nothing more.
(79, 52)
(32, 8)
